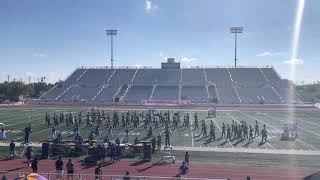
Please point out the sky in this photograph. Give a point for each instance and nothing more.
(42, 38)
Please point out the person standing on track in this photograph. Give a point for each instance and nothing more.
(34, 165)
(59, 168)
(70, 169)
(29, 155)
(183, 170)
(98, 172)
(187, 158)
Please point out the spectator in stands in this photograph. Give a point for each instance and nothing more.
(12, 147)
(183, 170)
(70, 169)
(186, 158)
(248, 178)
(98, 172)
(34, 165)
(127, 176)
(59, 168)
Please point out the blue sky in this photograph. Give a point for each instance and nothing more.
(51, 38)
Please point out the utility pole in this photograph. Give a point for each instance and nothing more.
(235, 31)
(8, 78)
(111, 33)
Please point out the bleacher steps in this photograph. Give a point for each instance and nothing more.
(94, 98)
(81, 75)
(154, 87)
(63, 93)
(234, 88)
(125, 93)
(180, 87)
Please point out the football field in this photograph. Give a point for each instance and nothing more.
(308, 141)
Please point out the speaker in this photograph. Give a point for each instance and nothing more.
(45, 150)
(147, 151)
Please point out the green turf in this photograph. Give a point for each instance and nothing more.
(15, 120)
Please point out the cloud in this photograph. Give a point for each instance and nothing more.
(266, 53)
(40, 55)
(294, 61)
(53, 77)
(188, 60)
(150, 6)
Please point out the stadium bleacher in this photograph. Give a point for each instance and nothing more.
(222, 85)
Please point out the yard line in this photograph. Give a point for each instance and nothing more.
(254, 138)
(220, 129)
(309, 145)
(21, 122)
(248, 115)
(191, 128)
(34, 133)
(170, 119)
(308, 130)
(312, 147)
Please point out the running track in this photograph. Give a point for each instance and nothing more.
(235, 172)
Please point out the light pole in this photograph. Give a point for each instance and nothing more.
(111, 32)
(235, 31)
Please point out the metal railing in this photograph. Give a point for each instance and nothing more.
(182, 67)
(76, 176)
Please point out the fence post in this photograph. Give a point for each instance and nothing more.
(49, 176)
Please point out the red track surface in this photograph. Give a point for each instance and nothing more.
(169, 170)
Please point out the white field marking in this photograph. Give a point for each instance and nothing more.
(215, 149)
(310, 131)
(309, 145)
(19, 118)
(27, 121)
(192, 143)
(270, 126)
(18, 114)
(177, 109)
(35, 133)
(219, 128)
(247, 150)
(254, 138)
(170, 118)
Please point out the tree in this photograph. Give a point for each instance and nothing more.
(28, 90)
(14, 90)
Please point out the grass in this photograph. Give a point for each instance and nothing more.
(15, 120)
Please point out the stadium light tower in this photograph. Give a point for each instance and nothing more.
(111, 32)
(235, 31)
